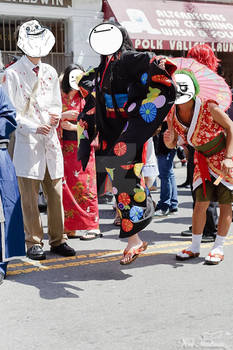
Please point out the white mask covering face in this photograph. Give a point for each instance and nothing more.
(185, 88)
(35, 40)
(106, 39)
(74, 78)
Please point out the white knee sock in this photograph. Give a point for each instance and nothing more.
(196, 242)
(218, 245)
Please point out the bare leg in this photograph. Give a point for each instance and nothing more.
(198, 223)
(134, 242)
(216, 254)
(117, 219)
(225, 219)
(199, 217)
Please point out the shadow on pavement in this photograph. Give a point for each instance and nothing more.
(62, 282)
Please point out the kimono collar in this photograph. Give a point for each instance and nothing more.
(194, 119)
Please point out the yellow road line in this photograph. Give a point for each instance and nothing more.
(105, 253)
(75, 263)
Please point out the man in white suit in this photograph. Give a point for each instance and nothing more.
(33, 88)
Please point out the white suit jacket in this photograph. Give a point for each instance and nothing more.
(32, 151)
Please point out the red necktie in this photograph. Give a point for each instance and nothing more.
(36, 70)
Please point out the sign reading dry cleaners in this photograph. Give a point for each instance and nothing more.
(179, 30)
(56, 3)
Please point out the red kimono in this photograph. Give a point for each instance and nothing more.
(79, 187)
(207, 137)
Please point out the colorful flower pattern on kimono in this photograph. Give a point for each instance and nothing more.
(123, 134)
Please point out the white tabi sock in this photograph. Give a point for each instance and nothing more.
(218, 245)
(196, 242)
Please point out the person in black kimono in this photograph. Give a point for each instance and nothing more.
(127, 97)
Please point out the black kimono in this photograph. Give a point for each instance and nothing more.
(126, 100)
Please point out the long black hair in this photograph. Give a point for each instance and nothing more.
(127, 44)
(65, 85)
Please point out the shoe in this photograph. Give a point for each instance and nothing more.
(117, 221)
(153, 189)
(63, 250)
(36, 252)
(85, 235)
(161, 213)
(2, 276)
(90, 235)
(186, 255)
(107, 198)
(213, 259)
(132, 254)
(208, 238)
(173, 211)
(185, 185)
(187, 233)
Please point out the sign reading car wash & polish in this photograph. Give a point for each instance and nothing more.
(175, 25)
(53, 3)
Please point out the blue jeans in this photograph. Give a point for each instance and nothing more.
(168, 188)
(3, 267)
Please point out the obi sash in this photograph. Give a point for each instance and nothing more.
(207, 150)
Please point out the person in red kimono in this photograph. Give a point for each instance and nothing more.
(79, 186)
(204, 125)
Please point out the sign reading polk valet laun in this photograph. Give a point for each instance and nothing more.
(52, 3)
(174, 25)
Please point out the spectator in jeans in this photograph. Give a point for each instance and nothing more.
(168, 202)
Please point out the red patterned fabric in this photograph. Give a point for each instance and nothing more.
(79, 187)
(205, 130)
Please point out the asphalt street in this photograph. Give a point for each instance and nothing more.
(91, 302)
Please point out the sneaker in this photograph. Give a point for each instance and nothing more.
(107, 198)
(173, 211)
(36, 252)
(63, 250)
(161, 213)
(184, 185)
(208, 238)
(153, 189)
(187, 233)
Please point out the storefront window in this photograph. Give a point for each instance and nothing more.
(8, 28)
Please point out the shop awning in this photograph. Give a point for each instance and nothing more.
(173, 25)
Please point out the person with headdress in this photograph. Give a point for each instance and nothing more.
(205, 55)
(79, 187)
(127, 97)
(12, 240)
(33, 88)
(199, 118)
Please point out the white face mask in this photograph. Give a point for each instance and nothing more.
(74, 78)
(106, 39)
(35, 40)
(185, 88)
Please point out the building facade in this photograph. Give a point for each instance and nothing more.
(69, 20)
(154, 25)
